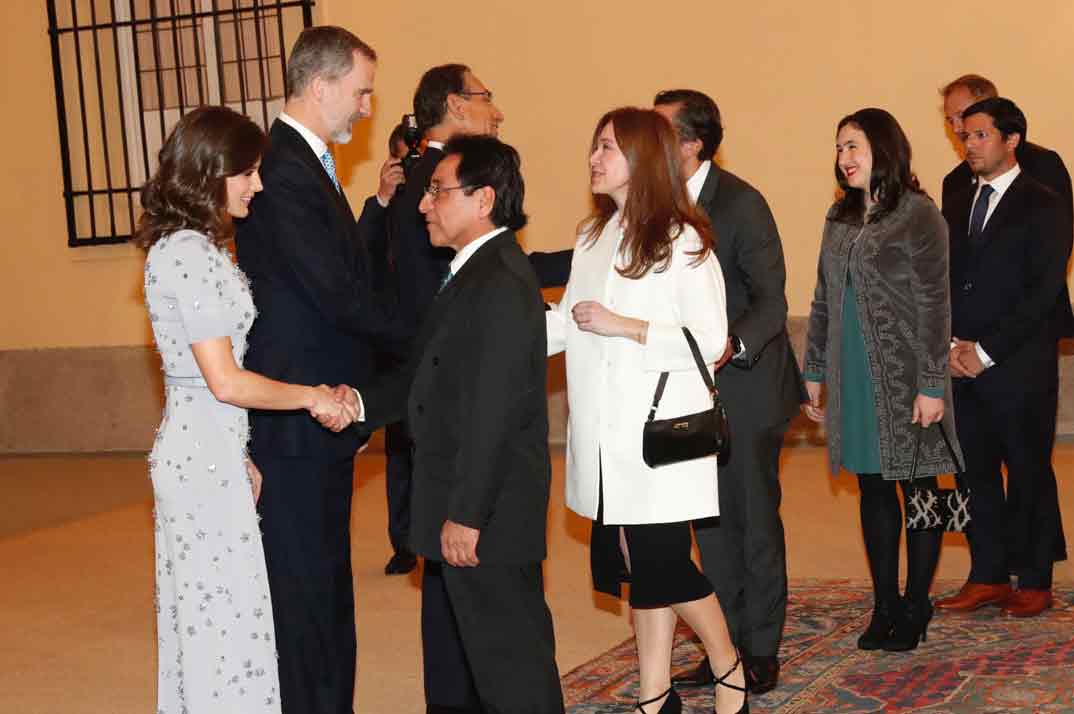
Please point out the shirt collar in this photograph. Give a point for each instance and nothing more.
(316, 143)
(1001, 183)
(472, 247)
(697, 181)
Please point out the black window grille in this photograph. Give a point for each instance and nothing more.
(127, 70)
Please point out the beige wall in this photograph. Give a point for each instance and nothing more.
(782, 72)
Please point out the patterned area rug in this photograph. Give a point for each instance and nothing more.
(977, 663)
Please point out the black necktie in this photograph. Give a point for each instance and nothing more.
(980, 210)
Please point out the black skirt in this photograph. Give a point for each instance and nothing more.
(661, 573)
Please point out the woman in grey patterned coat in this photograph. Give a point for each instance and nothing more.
(879, 332)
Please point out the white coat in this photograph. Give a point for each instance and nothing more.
(611, 380)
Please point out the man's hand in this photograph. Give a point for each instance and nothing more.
(391, 175)
(349, 399)
(331, 410)
(728, 353)
(964, 360)
(458, 544)
(814, 410)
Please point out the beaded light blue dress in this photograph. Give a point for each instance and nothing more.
(215, 634)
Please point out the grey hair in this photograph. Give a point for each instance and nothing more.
(324, 51)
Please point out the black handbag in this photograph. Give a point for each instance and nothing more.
(694, 436)
(928, 507)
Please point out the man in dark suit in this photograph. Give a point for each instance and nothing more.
(317, 322)
(1010, 242)
(474, 394)
(743, 552)
(449, 100)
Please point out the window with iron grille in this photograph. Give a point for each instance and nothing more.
(127, 70)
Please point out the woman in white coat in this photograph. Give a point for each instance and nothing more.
(642, 270)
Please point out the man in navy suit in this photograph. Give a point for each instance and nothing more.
(1010, 242)
(318, 322)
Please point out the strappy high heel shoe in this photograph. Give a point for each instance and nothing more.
(721, 681)
(671, 705)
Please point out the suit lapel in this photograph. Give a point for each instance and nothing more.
(1007, 208)
(477, 264)
(283, 135)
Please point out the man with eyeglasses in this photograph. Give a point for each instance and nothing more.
(1010, 242)
(474, 394)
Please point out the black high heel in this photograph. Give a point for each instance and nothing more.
(911, 627)
(878, 633)
(721, 681)
(671, 705)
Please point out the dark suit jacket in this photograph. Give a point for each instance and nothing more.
(318, 319)
(751, 258)
(417, 265)
(473, 393)
(1045, 166)
(1006, 284)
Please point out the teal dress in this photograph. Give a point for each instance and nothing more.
(858, 423)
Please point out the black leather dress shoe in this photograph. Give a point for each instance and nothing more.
(401, 563)
(699, 676)
(762, 674)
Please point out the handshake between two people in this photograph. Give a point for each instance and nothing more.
(335, 408)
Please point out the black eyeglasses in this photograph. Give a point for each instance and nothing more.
(486, 94)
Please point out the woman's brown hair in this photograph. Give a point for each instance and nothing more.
(658, 206)
(189, 189)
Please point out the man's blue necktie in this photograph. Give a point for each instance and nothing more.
(330, 166)
(980, 210)
(445, 280)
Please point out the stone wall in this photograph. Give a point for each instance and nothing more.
(109, 398)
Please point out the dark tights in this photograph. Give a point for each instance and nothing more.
(881, 523)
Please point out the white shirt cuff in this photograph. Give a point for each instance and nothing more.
(361, 405)
(983, 356)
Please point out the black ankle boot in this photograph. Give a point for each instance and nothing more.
(671, 705)
(880, 627)
(911, 625)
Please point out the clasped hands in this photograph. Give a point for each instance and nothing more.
(335, 408)
(964, 360)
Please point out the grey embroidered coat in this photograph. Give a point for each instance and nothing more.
(899, 266)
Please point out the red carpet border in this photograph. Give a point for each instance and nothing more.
(976, 663)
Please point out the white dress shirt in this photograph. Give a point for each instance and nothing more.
(316, 143)
(999, 185)
(472, 247)
(697, 181)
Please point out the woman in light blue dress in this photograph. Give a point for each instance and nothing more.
(216, 642)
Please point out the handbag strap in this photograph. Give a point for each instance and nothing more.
(699, 360)
(917, 450)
